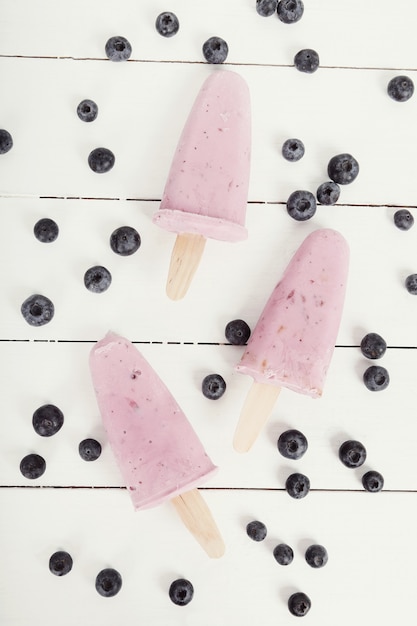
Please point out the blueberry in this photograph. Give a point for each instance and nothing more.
(266, 8)
(297, 485)
(403, 219)
(167, 24)
(108, 582)
(125, 240)
(283, 554)
(400, 88)
(373, 481)
(101, 160)
(299, 604)
(46, 230)
(87, 110)
(6, 141)
(97, 279)
(256, 530)
(307, 61)
(60, 563)
(373, 346)
(215, 50)
(376, 378)
(118, 49)
(32, 466)
(237, 332)
(292, 444)
(328, 193)
(411, 284)
(301, 205)
(352, 453)
(47, 420)
(213, 386)
(290, 11)
(343, 168)
(316, 556)
(37, 310)
(89, 449)
(181, 591)
(293, 149)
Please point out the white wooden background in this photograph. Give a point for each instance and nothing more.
(52, 57)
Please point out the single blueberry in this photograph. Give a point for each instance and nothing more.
(343, 168)
(376, 378)
(403, 219)
(215, 50)
(213, 386)
(256, 530)
(293, 149)
(297, 485)
(307, 61)
(118, 49)
(108, 582)
(316, 556)
(32, 466)
(352, 453)
(328, 193)
(237, 332)
(47, 420)
(87, 110)
(97, 279)
(292, 444)
(301, 205)
(125, 240)
(400, 88)
(266, 8)
(6, 141)
(37, 310)
(411, 284)
(299, 604)
(373, 481)
(46, 230)
(101, 160)
(290, 11)
(283, 554)
(89, 449)
(373, 346)
(167, 24)
(181, 591)
(60, 563)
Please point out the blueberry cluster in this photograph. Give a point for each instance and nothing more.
(293, 444)
(375, 377)
(352, 453)
(108, 581)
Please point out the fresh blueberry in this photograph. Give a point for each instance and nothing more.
(213, 386)
(373, 346)
(6, 141)
(60, 563)
(400, 88)
(297, 485)
(87, 110)
(215, 50)
(89, 449)
(97, 279)
(290, 11)
(299, 604)
(181, 591)
(118, 49)
(283, 554)
(167, 24)
(47, 420)
(373, 481)
(266, 8)
(46, 230)
(403, 219)
(125, 240)
(32, 466)
(411, 284)
(108, 582)
(256, 530)
(293, 149)
(328, 193)
(376, 378)
(316, 556)
(301, 205)
(237, 332)
(343, 168)
(37, 310)
(307, 61)
(292, 444)
(352, 453)
(101, 160)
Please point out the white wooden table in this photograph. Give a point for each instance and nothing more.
(52, 57)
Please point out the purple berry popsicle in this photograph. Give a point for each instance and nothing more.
(293, 341)
(159, 454)
(207, 187)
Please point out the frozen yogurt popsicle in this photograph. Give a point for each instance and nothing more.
(158, 452)
(293, 342)
(206, 192)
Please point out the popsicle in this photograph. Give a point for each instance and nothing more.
(206, 192)
(293, 342)
(158, 452)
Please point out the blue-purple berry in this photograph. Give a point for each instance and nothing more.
(237, 332)
(32, 466)
(101, 160)
(283, 554)
(181, 591)
(373, 346)
(60, 563)
(47, 420)
(87, 110)
(307, 61)
(301, 205)
(400, 88)
(292, 444)
(376, 378)
(213, 386)
(297, 485)
(37, 310)
(167, 24)
(352, 453)
(256, 530)
(290, 11)
(215, 50)
(46, 230)
(411, 284)
(403, 219)
(118, 49)
(316, 556)
(293, 150)
(266, 8)
(372, 481)
(97, 279)
(328, 193)
(125, 240)
(299, 604)
(343, 168)
(89, 449)
(108, 582)
(6, 141)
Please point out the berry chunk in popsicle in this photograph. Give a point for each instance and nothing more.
(206, 192)
(158, 452)
(293, 342)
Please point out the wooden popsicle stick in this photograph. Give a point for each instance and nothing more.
(256, 410)
(186, 255)
(197, 517)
